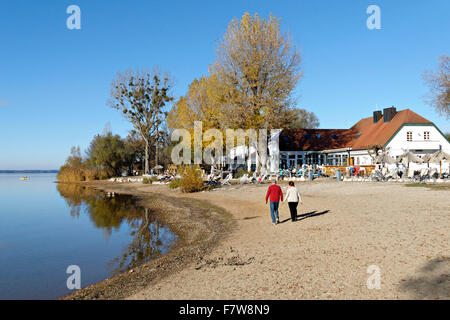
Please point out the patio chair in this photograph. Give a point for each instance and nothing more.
(244, 179)
(227, 179)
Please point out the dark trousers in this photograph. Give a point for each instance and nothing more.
(293, 209)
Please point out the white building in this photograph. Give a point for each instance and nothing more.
(397, 132)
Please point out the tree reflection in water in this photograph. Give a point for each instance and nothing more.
(150, 239)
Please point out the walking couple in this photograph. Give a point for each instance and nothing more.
(274, 194)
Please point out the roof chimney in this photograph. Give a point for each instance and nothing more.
(389, 113)
(377, 116)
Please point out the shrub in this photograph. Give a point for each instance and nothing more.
(241, 172)
(95, 174)
(154, 178)
(174, 184)
(191, 180)
(70, 174)
(76, 174)
(146, 181)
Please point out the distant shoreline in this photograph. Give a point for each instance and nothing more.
(29, 171)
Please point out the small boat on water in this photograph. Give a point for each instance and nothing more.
(24, 178)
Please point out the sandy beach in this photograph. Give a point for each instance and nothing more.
(343, 228)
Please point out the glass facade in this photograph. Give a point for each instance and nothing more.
(291, 159)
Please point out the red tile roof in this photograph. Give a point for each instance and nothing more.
(315, 139)
(363, 134)
(379, 133)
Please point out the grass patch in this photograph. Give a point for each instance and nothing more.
(146, 181)
(429, 186)
(174, 184)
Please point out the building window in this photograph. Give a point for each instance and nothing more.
(409, 136)
(299, 160)
(426, 135)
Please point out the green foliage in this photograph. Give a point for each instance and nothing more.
(75, 169)
(174, 184)
(146, 181)
(135, 151)
(191, 180)
(241, 172)
(302, 119)
(107, 156)
(154, 178)
(108, 152)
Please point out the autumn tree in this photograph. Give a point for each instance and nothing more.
(200, 103)
(257, 68)
(439, 84)
(250, 85)
(141, 96)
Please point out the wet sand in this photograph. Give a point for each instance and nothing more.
(343, 228)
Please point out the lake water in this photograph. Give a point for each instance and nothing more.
(46, 227)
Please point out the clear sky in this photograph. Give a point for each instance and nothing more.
(54, 82)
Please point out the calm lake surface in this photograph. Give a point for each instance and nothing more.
(46, 227)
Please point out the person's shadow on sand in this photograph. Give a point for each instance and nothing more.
(431, 281)
(307, 215)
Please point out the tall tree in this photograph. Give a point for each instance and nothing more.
(141, 96)
(135, 147)
(303, 119)
(108, 152)
(439, 84)
(257, 68)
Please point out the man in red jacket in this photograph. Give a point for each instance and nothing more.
(275, 194)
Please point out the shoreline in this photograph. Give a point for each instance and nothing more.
(341, 230)
(198, 224)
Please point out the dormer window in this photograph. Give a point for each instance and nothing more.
(409, 136)
(426, 135)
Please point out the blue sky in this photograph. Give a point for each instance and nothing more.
(54, 82)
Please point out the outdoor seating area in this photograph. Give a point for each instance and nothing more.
(432, 168)
(408, 167)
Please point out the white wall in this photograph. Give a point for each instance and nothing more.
(399, 144)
